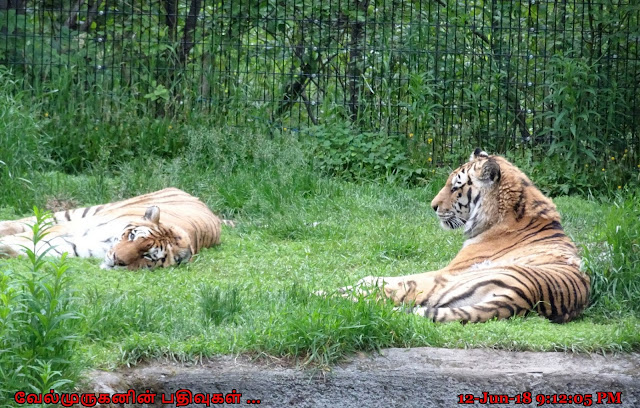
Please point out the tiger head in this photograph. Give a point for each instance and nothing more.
(148, 244)
(485, 191)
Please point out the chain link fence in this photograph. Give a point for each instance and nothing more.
(443, 74)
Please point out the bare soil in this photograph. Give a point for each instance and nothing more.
(420, 377)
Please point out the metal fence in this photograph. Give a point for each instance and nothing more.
(443, 73)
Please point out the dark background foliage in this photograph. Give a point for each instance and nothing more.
(530, 78)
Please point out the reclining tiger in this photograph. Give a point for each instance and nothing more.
(516, 257)
(129, 233)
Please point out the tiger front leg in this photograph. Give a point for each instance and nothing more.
(364, 287)
(401, 289)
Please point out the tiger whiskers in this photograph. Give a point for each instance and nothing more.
(454, 222)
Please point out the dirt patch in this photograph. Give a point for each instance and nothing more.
(420, 377)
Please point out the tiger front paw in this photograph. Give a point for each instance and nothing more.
(363, 288)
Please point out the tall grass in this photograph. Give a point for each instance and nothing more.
(230, 168)
(219, 305)
(23, 143)
(614, 264)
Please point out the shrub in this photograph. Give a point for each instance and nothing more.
(339, 150)
(584, 149)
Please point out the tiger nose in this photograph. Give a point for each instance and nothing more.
(435, 207)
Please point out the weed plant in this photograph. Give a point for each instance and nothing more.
(36, 315)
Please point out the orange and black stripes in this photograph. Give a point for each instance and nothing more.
(185, 227)
(517, 257)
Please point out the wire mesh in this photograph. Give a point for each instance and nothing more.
(441, 73)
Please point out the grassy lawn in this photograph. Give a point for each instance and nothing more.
(253, 294)
(298, 231)
(316, 207)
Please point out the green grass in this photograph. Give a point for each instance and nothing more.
(219, 305)
(298, 233)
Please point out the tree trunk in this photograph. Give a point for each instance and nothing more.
(355, 60)
(18, 5)
(186, 44)
(93, 12)
(171, 17)
(72, 20)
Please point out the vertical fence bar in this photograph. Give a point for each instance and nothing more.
(486, 68)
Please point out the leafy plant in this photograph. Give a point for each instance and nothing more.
(583, 150)
(573, 96)
(341, 151)
(36, 309)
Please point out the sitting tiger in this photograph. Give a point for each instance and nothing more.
(158, 229)
(516, 257)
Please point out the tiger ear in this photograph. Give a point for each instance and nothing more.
(478, 153)
(152, 214)
(490, 172)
